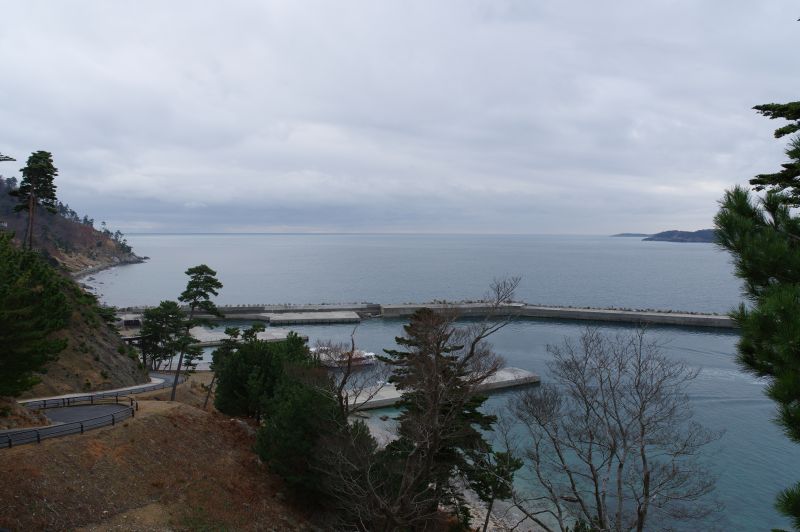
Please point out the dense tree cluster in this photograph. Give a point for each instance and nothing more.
(33, 306)
(249, 371)
(763, 235)
(308, 437)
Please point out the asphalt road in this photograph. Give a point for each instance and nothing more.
(68, 419)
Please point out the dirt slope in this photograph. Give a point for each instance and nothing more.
(173, 467)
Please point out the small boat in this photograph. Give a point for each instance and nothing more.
(338, 359)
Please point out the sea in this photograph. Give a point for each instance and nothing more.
(752, 461)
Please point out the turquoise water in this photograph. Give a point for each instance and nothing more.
(753, 459)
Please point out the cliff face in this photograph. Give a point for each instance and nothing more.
(73, 245)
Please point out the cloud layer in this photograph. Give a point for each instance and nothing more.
(452, 116)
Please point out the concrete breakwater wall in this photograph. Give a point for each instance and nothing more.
(350, 313)
(681, 319)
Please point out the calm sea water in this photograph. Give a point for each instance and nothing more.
(753, 460)
(555, 270)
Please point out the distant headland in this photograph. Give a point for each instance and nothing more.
(703, 236)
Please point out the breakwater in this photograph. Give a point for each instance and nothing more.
(504, 379)
(352, 313)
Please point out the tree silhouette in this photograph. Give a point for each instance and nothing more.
(37, 188)
(203, 283)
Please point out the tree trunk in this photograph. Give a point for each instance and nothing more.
(488, 515)
(31, 207)
(208, 393)
(180, 358)
(177, 376)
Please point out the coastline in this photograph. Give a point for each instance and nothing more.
(134, 259)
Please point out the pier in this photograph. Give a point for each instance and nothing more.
(504, 379)
(283, 315)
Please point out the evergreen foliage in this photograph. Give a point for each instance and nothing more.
(37, 188)
(763, 236)
(32, 307)
(440, 420)
(279, 383)
(202, 284)
(297, 416)
(249, 370)
(163, 328)
(492, 473)
(787, 179)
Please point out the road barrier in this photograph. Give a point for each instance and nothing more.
(36, 435)
(127, 408)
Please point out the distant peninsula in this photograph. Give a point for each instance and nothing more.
(702, 236)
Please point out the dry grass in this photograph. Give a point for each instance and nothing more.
(192, 392)
(173, 467)
(13, 415)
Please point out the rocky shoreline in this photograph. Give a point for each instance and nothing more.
(115, 261)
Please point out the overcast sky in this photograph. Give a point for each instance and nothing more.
(433, 116)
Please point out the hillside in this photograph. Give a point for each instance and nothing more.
(39, 304)
(71, 243)
(172, 467)
(95, 358)
(703, 235)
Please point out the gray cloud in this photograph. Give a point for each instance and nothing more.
(452, 116)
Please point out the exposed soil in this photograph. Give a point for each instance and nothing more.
(13, 415)
(172, 467)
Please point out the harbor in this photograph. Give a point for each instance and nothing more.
(282, 315)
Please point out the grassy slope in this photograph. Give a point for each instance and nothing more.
(173, 467)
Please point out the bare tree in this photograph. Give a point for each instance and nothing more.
(354, 380)
(612, 443)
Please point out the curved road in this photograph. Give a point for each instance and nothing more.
(69, 419)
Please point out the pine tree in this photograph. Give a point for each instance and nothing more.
(203, 283)
(37, 188)
(763, 235)
(32, 307)
(162, 329)
(440, 420)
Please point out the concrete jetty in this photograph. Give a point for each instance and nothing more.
(352, 313)
(682, 319)
(467, 310)
(313, 317)
(504, 379)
